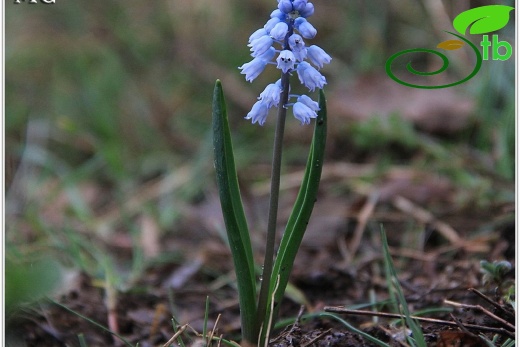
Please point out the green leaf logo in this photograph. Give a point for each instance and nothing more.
(482, 20)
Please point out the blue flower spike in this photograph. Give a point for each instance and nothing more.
(287, 26)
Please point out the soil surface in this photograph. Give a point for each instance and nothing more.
(335, 270)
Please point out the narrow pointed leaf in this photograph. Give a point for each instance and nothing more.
(304, 204)
(234, 217)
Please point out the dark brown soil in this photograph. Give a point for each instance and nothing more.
(326, 272)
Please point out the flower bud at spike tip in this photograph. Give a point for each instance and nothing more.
(299, 5)
(305, 28)
(308, 11)
(285, 6)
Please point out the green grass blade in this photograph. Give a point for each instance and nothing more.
(234, 217)
(92, 322)
(395, 291)
(304, 204)
(82, 341)
(357, 331)
(205, 326)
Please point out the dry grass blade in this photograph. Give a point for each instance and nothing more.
(320, 336)
(270, 321)
(364, 215)
(160, 311)
(150, 236)
(176, 335)
(424, 216)
(212, 333)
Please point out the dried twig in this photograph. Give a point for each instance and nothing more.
(460, 325)
(176, 335)
(501, 331)
(316, 338)
(505, 323)
(212, 333)
(297, 320)
(491, 302)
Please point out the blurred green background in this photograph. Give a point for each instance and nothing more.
(108, 113)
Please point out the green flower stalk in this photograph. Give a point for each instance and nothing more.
(258, 316)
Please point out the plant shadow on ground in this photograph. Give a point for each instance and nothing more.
(110, 183)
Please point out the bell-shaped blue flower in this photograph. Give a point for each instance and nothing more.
(257, 65)
(271, 94)
(286, 60)
(258, 112)
(269, 25)
(296, 42)
(303, 113)
(279, 31)
(301, 54)
(257, 34)
(310, 77)
(260, 45)
(298, 47)
(305, 28)
(307, 101)
(318, 56)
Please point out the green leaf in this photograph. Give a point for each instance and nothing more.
(234, 217)
(355, 330)
(91, 321)
(303, 206)
(483, 19)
